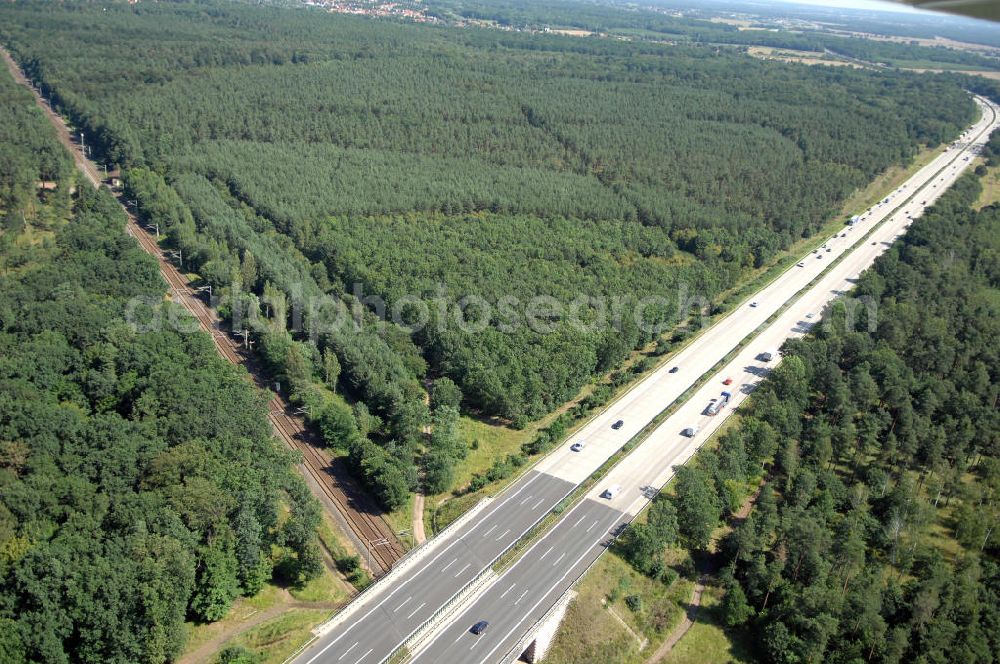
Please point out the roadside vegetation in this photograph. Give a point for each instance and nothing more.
(873, 536)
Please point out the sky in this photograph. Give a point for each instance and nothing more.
(858, 4)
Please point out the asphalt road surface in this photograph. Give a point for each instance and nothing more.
(401, 609)
(528, 589)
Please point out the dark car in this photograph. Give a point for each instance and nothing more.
(674, 369)
(479, 627)
(618, 425)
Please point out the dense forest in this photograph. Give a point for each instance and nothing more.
(32, 159)
(139, 483)
(321, 161)
(877, 440)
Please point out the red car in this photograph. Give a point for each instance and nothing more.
(728, 381)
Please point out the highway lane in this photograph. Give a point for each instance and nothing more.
(412, 599)
(374, 633)
(652, 463)
(529, 588)
(644, 402)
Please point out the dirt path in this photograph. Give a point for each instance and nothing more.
(744, 511)
(699, 588)
(689, 617)
(210, 648)
(642, 642)
(417, 522)
(418, 519)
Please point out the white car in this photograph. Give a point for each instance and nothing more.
(802, 264)
(577, 447)
(753, 304)
(611, 491)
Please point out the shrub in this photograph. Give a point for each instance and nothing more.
(634, 603)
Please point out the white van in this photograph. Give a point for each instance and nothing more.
(612, 491)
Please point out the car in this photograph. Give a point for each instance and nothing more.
(820, 256)
(577, 447)
(843, 235)
(674, 369)
(828, 250)
(874, 243)
(802, 264)
(815, 251)
(611, 491)
(480, 627)
(728, 381)
(691, 431)
(618, 425)
(924, 203)
(753, 304)
(809, 315)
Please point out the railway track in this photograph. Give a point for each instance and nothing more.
(350, 506)
(373, 536)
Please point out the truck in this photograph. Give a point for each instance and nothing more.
(719, 404)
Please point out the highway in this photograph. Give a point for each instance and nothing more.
(526, 591)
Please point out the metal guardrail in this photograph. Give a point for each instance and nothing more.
(520, 646)
(526, 640)
(402, 565)
(450, 602)
(485, 578)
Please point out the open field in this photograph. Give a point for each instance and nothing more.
(800, 57)
(277, 639)
(991, 188)
(739, 22)
(937, 41)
